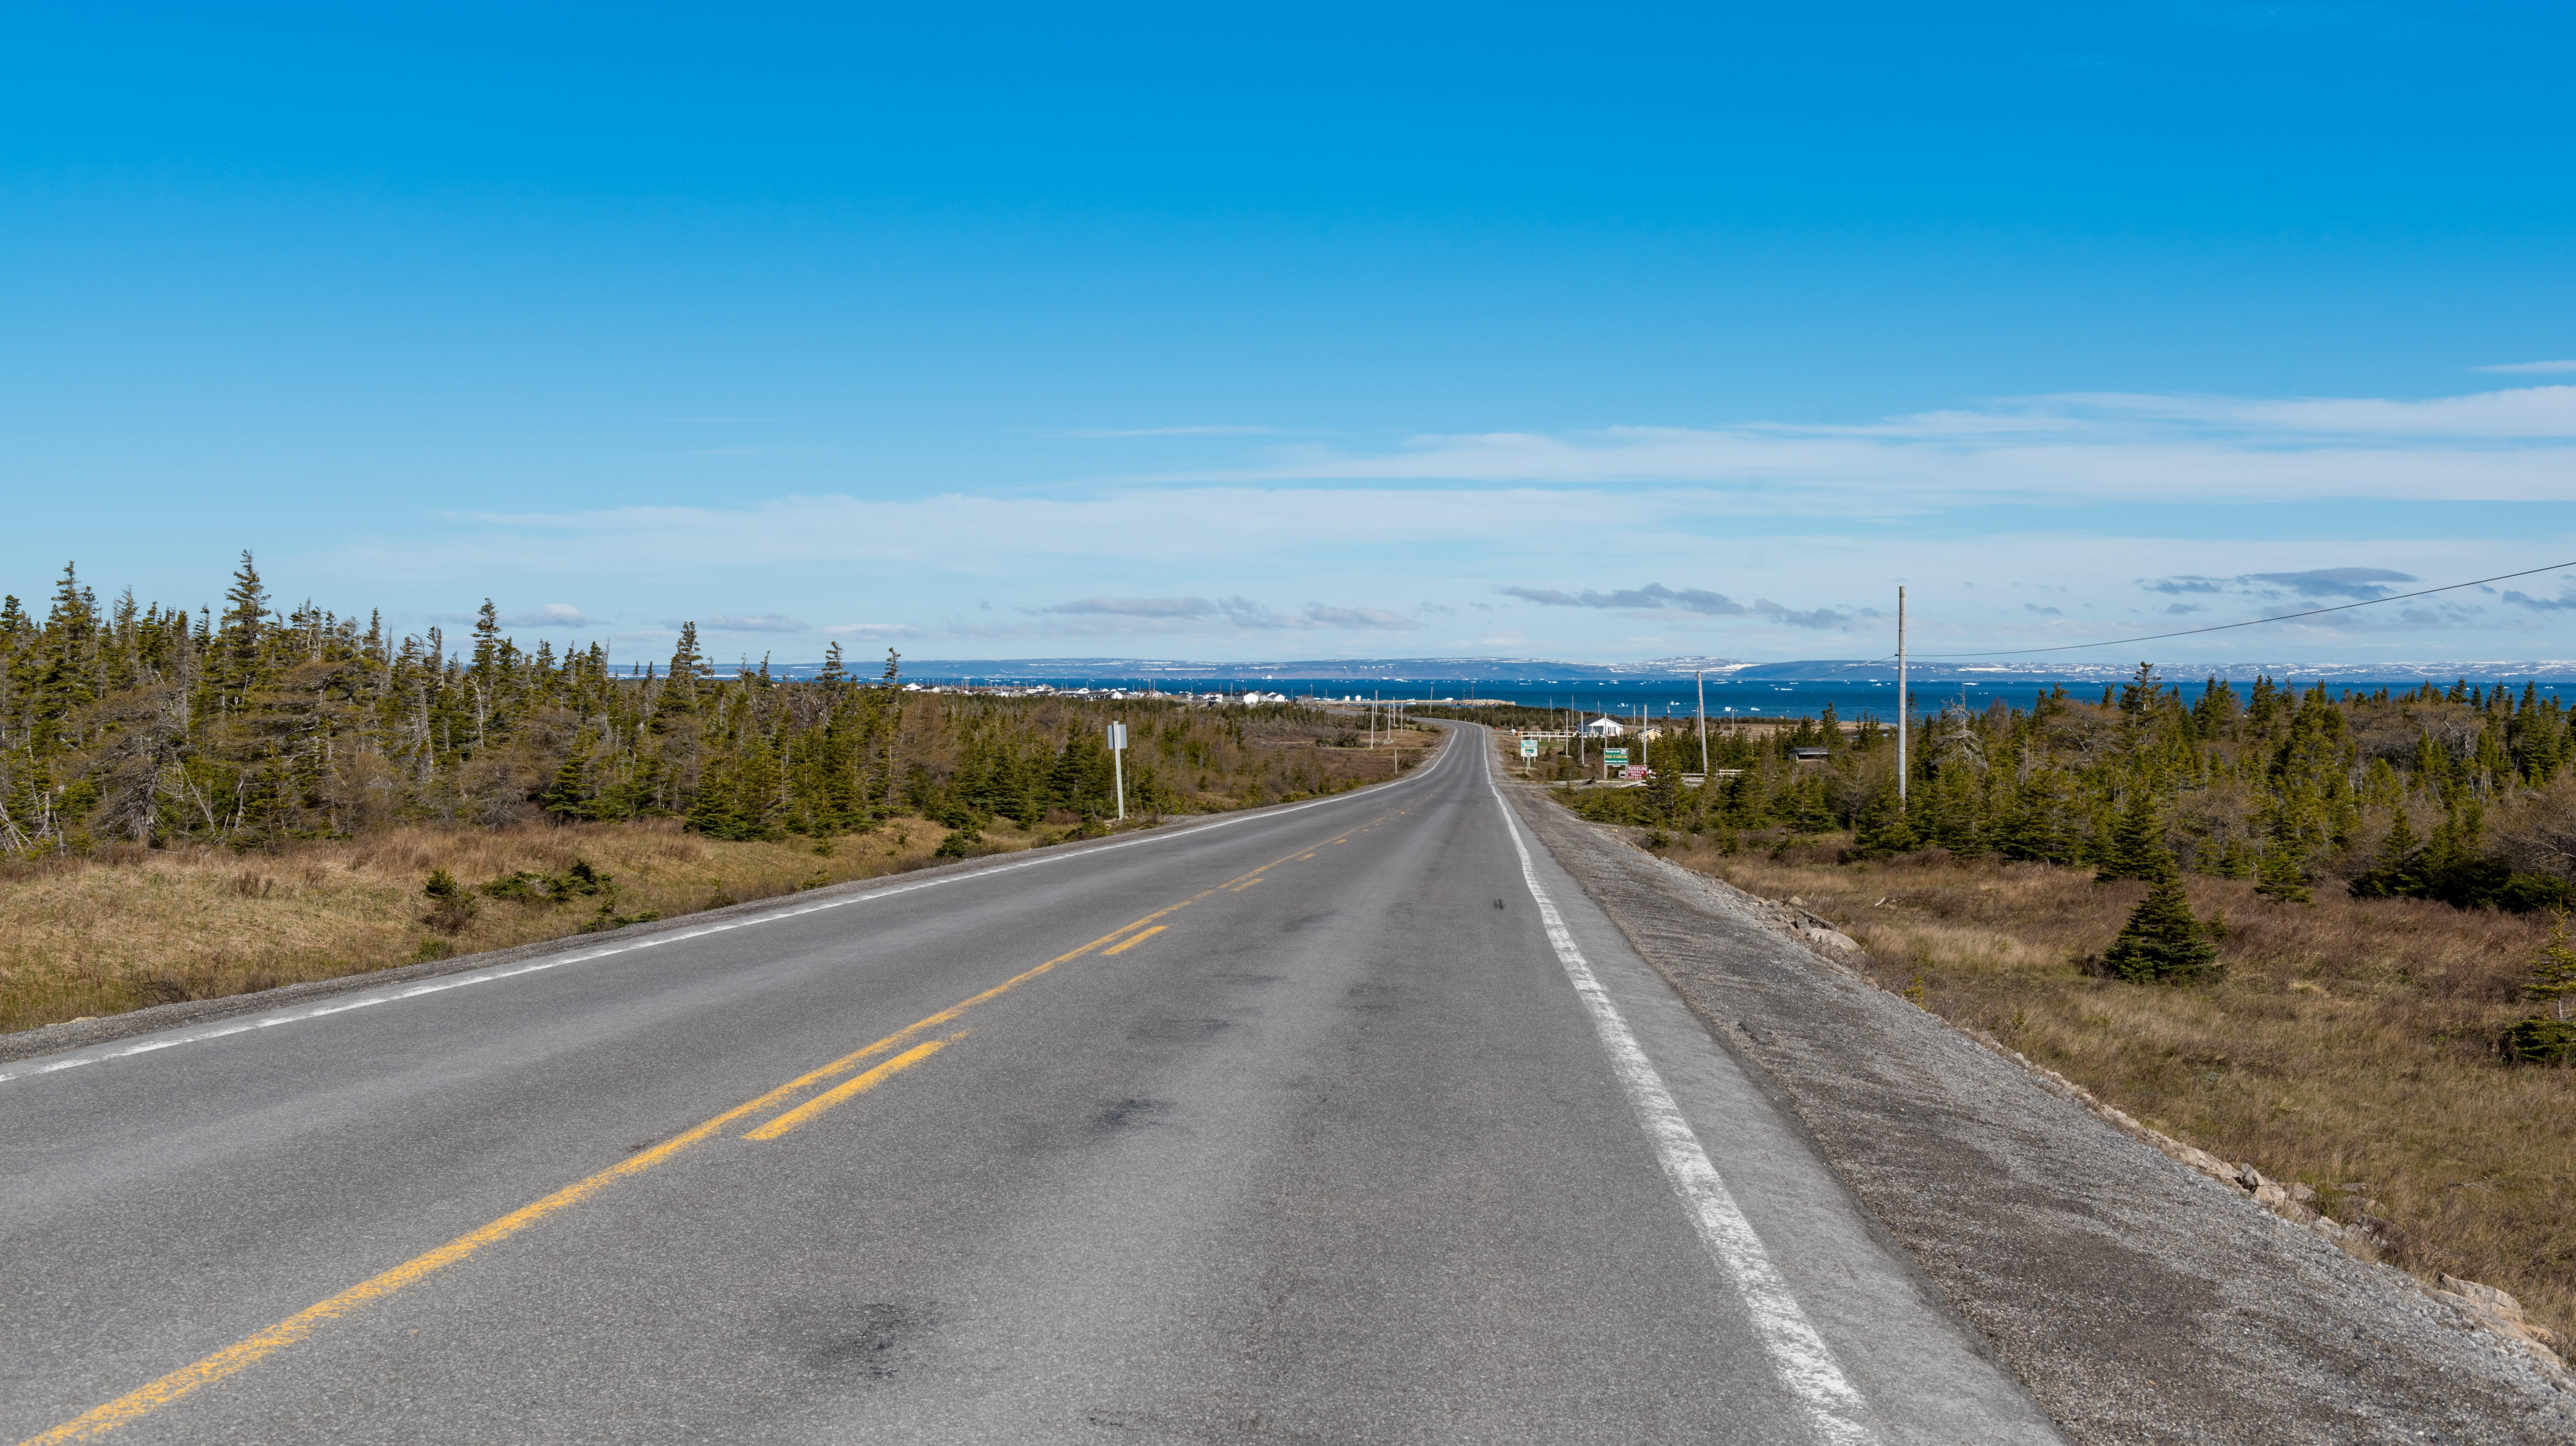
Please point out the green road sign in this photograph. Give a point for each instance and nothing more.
(1615, 757)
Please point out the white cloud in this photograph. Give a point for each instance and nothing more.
(2538, 366)
(551, 615)
(1133, 607)
(750, 623)
(1234, 612)
(1742, 528)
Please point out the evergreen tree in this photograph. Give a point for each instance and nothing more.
(245, 626)
(1882, 828)
(2137, 848)
(2162, 942)
(2282, 872)
(679, 698)
(2549, 1037)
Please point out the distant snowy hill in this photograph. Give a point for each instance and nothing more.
(1546, 670)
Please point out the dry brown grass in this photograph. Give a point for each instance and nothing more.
(2349, 1044)
(101, 935)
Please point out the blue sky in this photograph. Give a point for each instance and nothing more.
(1303, 331)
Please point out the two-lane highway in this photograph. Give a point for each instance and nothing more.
(1351, 1121)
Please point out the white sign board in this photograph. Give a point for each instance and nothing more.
(1117, 737)
(1529, 748)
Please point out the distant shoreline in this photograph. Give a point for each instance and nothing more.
(1167, 675)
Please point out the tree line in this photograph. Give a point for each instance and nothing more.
(132, 724)
(2462, 794)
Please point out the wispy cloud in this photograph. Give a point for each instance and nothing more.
(2064, 495)
(1132, 607)
(2564, 602)
(1232, 612)
(1655, 597)
(750, 623)
(551, 615)
(2533, 366)
(2505, 445)
(2358, 583)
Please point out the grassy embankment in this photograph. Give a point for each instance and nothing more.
(2349, 1044)
(129, 927)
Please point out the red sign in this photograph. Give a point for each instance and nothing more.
(1636, 771)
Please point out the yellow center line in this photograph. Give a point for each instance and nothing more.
(865, 1082)
(144, 1400)
(1132, 940)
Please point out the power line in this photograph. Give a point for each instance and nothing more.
(2251, 622)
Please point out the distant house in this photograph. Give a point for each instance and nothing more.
(1604, 728)
(1810, 755)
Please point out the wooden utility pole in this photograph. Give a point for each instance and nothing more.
(1703, 728)
(1902, 707)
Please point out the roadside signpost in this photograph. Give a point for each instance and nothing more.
(1118, 765)
(1635, 772)
(1613, 758)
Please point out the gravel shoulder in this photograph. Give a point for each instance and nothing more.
(2137, 1299)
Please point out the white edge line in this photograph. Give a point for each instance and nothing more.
(1799, 1356)
(508, 971)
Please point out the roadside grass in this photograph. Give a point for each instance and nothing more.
(123, 928)
(129, 928)
(2349, 1044)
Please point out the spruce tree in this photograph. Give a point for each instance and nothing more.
(680, 690)
(2137, 848)
(1882, 828)
(244, 627)
(2549, 1037)
(2162, 942)
(2283, 871)
(2281, 874)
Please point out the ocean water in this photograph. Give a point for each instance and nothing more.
(1740, 698)
(1670, 697)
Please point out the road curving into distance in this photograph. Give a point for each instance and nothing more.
(1348, 1121)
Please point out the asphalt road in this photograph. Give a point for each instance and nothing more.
(1338, 1122)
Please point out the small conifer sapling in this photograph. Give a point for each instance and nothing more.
(2549, 1037)
(2162, 942)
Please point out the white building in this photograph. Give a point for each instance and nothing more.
(1604, 727)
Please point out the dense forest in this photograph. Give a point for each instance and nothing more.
(127, 724)
(2463, 794)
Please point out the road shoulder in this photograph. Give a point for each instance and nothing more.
(2137, 1300)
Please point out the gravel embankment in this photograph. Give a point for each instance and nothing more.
(2138, 1300)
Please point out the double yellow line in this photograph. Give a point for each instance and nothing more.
(143, 1401)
